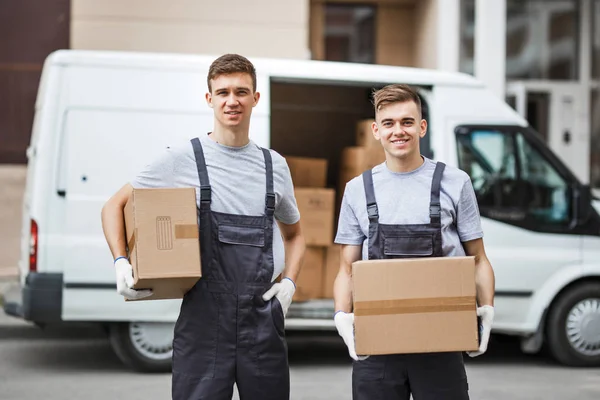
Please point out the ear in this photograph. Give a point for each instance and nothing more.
(375, 129)
(256, 98)
(208, 97)
(423, 128)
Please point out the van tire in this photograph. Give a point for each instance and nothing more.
(558, 342)
(122, 344)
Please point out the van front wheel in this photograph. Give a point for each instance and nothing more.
(574, 326)
(143, 346)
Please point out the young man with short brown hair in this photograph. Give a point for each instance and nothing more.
(231, 324)
(427, 201)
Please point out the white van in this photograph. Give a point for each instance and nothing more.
(101, 116)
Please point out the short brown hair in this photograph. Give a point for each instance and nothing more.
(231, 64)
(395, 93)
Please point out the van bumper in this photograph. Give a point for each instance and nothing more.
(41, 299)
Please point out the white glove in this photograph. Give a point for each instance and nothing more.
(124, 272)
(487, 318)
(344, 322)
(284, 291)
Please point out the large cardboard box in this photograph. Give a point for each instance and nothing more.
(308, 172)
(309, 284)
(162, 238)
(316, 215)
(364, 134)
(415, 305)
(332, 267)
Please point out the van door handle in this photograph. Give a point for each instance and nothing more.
(61, 193)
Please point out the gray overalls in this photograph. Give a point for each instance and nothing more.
(225, 332)
(432, 376)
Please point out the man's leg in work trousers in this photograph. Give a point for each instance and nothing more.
(437, 376)
(380, 378)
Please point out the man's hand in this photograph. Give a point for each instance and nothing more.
(344, 322)
(124, 272)
(487, 318)
(284, 291)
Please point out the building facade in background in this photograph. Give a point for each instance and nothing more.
(543, 57)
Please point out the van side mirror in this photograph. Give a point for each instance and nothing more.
(582, 202)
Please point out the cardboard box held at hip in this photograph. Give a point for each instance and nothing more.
(422, 305)
(162, 240)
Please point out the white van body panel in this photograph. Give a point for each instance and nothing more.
(84, 95)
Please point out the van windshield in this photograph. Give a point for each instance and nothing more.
(513, 180)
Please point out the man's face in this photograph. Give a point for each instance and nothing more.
(232, 99)
(399, 127)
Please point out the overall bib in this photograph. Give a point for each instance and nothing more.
(226, 332)
(432, 376)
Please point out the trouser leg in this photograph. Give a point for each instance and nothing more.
(438, 376)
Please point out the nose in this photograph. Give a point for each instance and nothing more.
(232, 100)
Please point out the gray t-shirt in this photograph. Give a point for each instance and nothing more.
(403, 198)
(238, 180)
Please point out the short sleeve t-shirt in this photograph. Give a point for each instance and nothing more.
(237, 177)
(403, 198)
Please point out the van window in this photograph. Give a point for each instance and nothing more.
(514, 181)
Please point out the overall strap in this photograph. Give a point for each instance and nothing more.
(205, 191)
(435, 208)
(270, 196)
(372, 210)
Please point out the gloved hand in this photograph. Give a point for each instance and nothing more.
(124, 272)
(344, 322)
(284, 291)
(487, 318)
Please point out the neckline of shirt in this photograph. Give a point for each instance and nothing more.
(224, 148)
(420, 168)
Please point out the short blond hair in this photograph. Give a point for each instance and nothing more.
(395, 93)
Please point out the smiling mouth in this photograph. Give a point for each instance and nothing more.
(400, 141)
(232, 112)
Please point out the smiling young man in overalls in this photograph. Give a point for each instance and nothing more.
(413, 195)
(231, 324)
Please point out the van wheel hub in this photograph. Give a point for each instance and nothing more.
(152, 339)
(583, 327)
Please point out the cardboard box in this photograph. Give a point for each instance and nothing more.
(332, 267)
(415, 305)
(308, 172)
(316, 215)
(356, 160)
(309, 284)
(162, 238)
(364, 134)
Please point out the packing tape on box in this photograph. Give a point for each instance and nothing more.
(414, 306)
(189, 231)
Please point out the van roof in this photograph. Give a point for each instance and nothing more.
(285, 69)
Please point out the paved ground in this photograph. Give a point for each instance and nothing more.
(78, 363)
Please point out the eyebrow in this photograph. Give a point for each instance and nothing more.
(383, 121)
(236, 88)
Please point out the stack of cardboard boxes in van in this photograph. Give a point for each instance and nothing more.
(317, 209)
(355, 160)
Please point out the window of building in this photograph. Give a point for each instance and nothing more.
(350, 33)
(542, 39)
(514, 182)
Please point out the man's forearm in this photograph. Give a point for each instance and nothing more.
(294, 256)
(113, 226)
(484, 281)
(342, 291)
